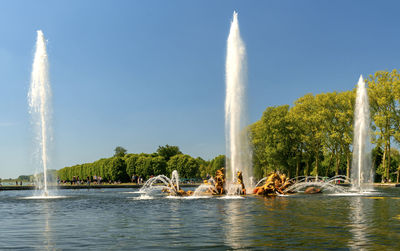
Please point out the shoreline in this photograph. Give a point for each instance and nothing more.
(102, 186)
(127, 185)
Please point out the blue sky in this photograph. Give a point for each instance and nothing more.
(140, 74)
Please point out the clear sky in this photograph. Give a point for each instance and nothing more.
(140, 74)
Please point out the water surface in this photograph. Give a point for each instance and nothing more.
(118, 219)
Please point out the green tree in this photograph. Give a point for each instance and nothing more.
(279, 149)
(186, 166)
(143, 167)
(131, 164)
(117, 170)
(203, 165)
(120, 151)
(309, 114)
(337, 109)
(158, 165)
(259, 143)
(210, 167)
(217, 163)
(384, 109)
(168, 151)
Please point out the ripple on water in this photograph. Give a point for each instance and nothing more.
(189, 197)
(231, 197)
(143, 197)
(111, 219)
(42, 197)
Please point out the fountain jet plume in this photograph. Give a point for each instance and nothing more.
(39, 98)
(361, 172)
(237, 141)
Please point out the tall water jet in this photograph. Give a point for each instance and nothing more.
(237, 140)
(361, 170)
(39, 98)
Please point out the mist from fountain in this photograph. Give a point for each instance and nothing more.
(39, 99)
(238, 149)
(361, 169)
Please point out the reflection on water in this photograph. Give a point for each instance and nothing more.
(236, 226)
(115, 219)
(47, 233)
(359, 225)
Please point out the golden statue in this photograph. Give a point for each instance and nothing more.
(275, 184)
(220, 181)
(240, 181)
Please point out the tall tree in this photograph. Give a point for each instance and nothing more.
(258, 139)
(384, 109)
(276, 142)
(337, 111)
(309, 114)
(168, 151)
(119, 151)
(186, 166)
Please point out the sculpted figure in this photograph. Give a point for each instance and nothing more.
(220, 181)
(275, 184)
(240, 181)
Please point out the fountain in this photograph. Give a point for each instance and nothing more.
(361, 171)
(39, 98)
(237, 141)
(206, 189)
(308, 184)
(168, 185)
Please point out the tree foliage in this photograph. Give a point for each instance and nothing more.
(120, 151)
(122, 167)
(186, 166)
(168, 151)
(315, 135)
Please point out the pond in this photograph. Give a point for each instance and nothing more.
(121, 219)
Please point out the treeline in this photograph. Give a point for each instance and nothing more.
(314, 136)
(123, 165)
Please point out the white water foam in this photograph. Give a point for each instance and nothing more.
(144, 197)
(44, 197)
(231, 197)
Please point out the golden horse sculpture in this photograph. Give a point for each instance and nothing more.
(217, 189)
(220, 183)
(275, 184)
(240, 181)
(177, 192)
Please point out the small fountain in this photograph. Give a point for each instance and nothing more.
(208, 188)
(168, 185)
(39, 98)
(311, 184)
(237, 141)
(361, 170)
